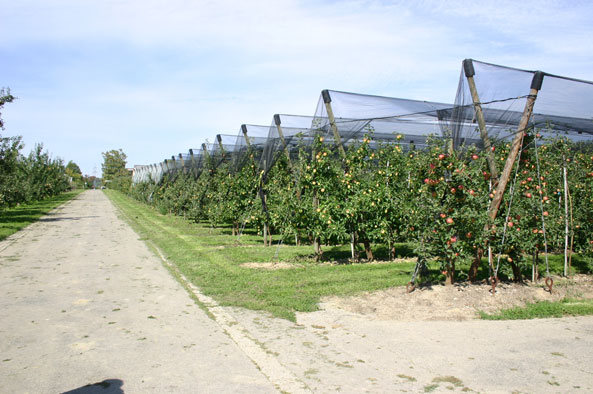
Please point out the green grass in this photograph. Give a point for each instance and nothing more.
(544, 309)
(19, 217)
(212, 258)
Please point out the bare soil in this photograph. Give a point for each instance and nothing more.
(461, 301)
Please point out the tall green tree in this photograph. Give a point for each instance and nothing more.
(114, 164)
(115, 174)
(73, 171)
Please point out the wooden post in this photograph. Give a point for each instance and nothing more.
(536, 85)
(286, 152)
(332, 122)
(206, 154)
(281, 135)
(192, 165)
(267, 234)
(182, 163)
(219, 139)
(244, 130)
(468, 68)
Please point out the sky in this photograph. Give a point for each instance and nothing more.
(155, 78)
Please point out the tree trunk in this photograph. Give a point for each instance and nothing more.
(367, 249)
(473, 269)
(517, 276)
(317, 248)
(450, 277)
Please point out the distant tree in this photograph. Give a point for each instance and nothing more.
(10, 147)
(73, 171)
(114, 164)
(73, 168)
(5, 97)
(115, 174)
(11, 191)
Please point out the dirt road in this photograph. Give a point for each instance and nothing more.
(84, 300)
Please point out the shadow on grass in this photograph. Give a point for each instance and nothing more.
(16, 218)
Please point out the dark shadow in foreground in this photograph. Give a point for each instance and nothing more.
(108, 386)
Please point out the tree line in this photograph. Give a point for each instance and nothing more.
(380, 194)
(32, 177)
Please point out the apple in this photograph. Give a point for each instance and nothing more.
(475, 157)
(449, 220)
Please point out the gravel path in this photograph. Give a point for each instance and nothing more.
(86, 301)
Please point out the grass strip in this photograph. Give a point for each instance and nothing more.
(544, 309)
(211, 259)
(16, 218)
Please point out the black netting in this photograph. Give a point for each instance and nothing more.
(563, 105)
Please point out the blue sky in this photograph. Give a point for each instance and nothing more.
(156, 78)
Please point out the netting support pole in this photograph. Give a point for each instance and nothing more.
(286, 150)
(244, 131)
(468, 68)
(206, 154)
(193, 163)
(219, 139)
(281, 135)
(332, 122)
(536, 85)
(262, 194)
(182, 163)
(174, 166)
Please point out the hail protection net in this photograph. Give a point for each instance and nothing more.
(563, 105)
(287, 133)
(249, 145)
(386, 118)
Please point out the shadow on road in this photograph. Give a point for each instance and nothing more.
(108, 386)
(46, 219)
